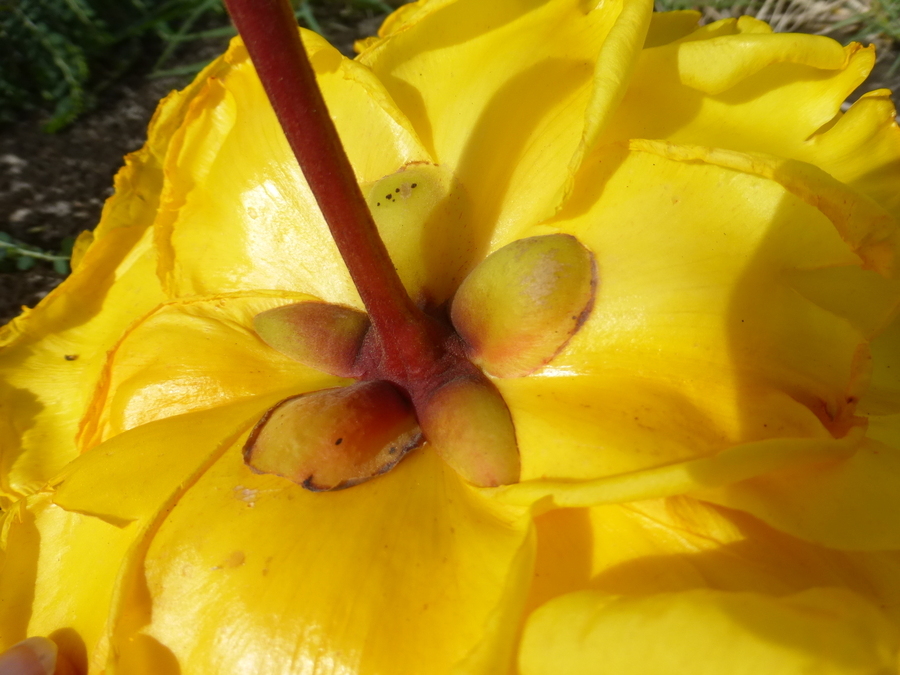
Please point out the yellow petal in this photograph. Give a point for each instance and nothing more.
(51, 357)
(737, 463)
(294, 581)
(101, 481)
(58, 576)
(782, 95)
(849, 504)
(882, 397)
(824, 631)
(862, 149)
(697, 340)
(237, 213)
(192, 355)
(533, 89)
(678, 544)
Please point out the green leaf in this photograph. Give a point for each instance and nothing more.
(24, 262)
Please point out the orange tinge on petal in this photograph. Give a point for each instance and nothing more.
(334, 438)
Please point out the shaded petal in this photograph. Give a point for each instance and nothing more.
(698, 339)
(882, 397)
(57, 578)
(601, 425)
(679, 544)
(848, 504)
(827, 631)
(666, 27)
(237, 213)
(50, 357)
(435, 575)
(192, 355)
(532, 95)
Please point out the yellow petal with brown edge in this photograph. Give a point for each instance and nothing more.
(679, 544)
(509, 129)
(265, 589)
(694, 304)
(51, 356)
(58, 575)
(237, 213)
(826, 631)
(192, 355)
(787, 109)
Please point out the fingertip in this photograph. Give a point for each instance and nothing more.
(33, 656)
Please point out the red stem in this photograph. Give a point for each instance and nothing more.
(269, 31)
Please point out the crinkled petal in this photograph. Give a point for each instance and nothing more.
(827, 631)
(192, 355)
(734, 84)
(541, 80)
(862, 149)
(50, 357)
(408, 573)
(237, 213)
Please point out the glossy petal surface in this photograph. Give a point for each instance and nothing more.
(447, 573)
(823, 631)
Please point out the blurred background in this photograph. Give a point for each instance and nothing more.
(80, 79)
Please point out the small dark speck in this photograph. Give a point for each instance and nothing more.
(389, 196)
(377, 203)
(414, 185)
(392, 450)
(397, 190)
(71, 357)
(339, 441)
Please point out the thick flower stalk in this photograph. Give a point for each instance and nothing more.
(708, 455)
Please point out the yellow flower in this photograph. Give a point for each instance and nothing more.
(710, 467)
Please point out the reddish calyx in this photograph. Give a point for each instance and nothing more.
(414, 368)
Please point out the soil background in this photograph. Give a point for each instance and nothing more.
(53, 186)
